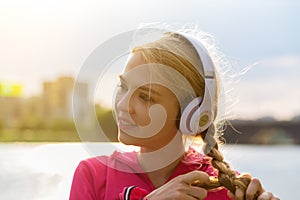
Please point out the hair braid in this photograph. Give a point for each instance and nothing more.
(226, 176)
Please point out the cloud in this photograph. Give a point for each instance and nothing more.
(284, 61)
(270, 89)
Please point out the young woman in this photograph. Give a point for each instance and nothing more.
(166, 101)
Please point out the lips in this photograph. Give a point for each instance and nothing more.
(125, 123)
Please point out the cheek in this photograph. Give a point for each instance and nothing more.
(141, 112)
(174, 118)
(174, 114)
(172, 109)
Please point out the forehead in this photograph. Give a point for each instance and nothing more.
(138, 74)
(134, 61)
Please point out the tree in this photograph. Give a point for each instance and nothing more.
(107, 122)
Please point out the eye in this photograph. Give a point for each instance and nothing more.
(146, 97)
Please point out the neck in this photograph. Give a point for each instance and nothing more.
(164, 159)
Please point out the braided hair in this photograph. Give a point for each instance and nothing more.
(227, 177)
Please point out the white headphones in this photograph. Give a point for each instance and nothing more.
(199, 113)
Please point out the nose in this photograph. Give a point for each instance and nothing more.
(123, 102)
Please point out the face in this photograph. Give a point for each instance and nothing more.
(134, 102)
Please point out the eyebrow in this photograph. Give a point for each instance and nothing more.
(144, 88)
(149, 89)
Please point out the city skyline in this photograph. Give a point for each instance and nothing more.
(37, 45)
(105, 99)
(53, 103)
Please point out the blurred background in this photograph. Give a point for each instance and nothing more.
(43, 44)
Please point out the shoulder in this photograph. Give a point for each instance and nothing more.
(99, 164)
(94, 162)
(90, 169)
(91, 175)
(88, 178)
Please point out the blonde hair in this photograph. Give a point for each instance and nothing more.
(175, 51)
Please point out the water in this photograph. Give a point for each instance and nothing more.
(44, 171)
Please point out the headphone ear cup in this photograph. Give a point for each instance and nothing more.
(204, 116)
(187, 114)
(200, 121)
(198, 114)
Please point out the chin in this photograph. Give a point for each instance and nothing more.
(126, 139)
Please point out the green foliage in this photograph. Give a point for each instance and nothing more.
(32, 122)
(62, 125)
(36, 128)
(14, 135)
(107, 122)
(1, 125)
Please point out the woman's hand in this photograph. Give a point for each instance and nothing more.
(181, 188)
(254, 188)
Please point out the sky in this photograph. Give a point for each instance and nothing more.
(41, 40)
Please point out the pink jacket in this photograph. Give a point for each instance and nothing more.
(98, 178)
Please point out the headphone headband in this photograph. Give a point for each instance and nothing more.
(208, 66)
(199, 113)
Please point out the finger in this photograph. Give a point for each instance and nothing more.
(191, 177)
(239, 194)
(230, 195)
(197, 192)
(265, 196)
(188, 197)
(253, 188)
(275, 198)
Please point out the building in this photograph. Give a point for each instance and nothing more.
(11, 104)
(57, 98)
(54, 104)
(11, 110)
